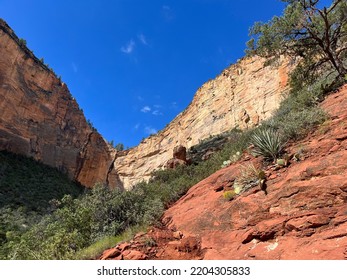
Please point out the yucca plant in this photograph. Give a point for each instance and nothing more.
(267, 143)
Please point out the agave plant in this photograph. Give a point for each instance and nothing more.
(267, 143)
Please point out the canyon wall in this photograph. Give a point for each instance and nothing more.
(39, 117)
(241, 96)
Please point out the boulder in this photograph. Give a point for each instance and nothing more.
(180, 152)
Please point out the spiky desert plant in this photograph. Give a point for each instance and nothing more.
(267, 143)
(250, 176)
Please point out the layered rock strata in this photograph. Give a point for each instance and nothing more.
(241, 96)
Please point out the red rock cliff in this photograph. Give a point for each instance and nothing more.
(39, 118)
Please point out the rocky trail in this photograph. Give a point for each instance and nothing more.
(302, 216)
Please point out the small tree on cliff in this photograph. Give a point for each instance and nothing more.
(119, 147)
(317, 35)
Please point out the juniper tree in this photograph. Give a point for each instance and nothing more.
(315, 35)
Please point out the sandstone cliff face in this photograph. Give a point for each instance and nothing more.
(39, 117)
(241, 96)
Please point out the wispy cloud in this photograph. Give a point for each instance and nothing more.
(142, 39)
(167, 13)
(146, 109)
(174, 105)
(137, 126)
(150, 130)
(74, 67)
(157, 113)
(128, 48)
(157, 110)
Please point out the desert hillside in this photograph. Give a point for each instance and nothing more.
(302, 214)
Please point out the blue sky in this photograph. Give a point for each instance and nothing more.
(134, 65)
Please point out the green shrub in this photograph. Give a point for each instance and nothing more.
(295, 125)
(78, 223)
(22, 42)
(93, 251)
(31, 185)
(299, 113)
(119, 147)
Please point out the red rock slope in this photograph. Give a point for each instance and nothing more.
(303, 216)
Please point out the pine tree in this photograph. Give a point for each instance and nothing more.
(317, 36)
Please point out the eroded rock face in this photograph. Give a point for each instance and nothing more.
(39, 118)
(241, 96)
(302, 216)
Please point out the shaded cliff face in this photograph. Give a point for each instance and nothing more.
(241, 96)
(39, 118)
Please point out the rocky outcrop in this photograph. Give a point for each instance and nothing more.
(158, 243)
(39, 118)
(241, 96)
(179, 158)
(303, 215)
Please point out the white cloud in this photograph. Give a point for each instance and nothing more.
(137, 126)
(146, 109)
(74, 67)
(128, 48)
(157, 113)
(174, 105)
(168, 13)
(150, 130)
(142, 39)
